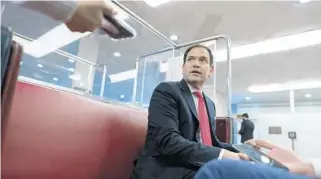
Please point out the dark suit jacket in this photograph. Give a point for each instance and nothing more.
(246, 131)
(172, 142)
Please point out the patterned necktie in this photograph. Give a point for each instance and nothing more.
(203, 120)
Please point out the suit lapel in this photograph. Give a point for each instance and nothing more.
(211, 111)
(188, 97)
(210, 108)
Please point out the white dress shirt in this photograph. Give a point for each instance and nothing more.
(58, 10)
(195, 98)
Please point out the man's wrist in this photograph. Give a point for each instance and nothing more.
(307, 169)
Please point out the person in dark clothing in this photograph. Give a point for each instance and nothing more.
(247, 128)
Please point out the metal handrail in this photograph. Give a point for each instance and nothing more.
(75, 92)
(78, 59)
(207, 39)
(229, 67)
(144, 23)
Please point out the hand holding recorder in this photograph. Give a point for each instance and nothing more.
(285, 156)
(89, 15)
(101, 17)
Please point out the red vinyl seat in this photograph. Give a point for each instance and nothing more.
(52, 134)
(223, 126)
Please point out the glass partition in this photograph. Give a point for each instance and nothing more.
(167, 66)
(308, 100)
(152, 70)
(120, 58)
(58, 70)
(94, 64)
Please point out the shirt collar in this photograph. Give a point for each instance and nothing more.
(193, 89)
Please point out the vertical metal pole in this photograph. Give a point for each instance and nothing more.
(2, 8)
(229, 78)
(293, 148)
(135, 82)
(229, 86)
(173, 62)
(292, 101)
(103, 81)
(143, 82)
(90, 79)
(214, 64)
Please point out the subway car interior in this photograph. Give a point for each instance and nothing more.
(75, 105)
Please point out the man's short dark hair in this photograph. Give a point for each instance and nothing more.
(245, 115)
(199, 46)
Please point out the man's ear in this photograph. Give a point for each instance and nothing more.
(182, 69)
(211, 71)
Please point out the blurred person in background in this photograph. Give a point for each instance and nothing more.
(247, 128)
(79, 16)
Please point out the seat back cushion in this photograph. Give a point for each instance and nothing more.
(58, 135)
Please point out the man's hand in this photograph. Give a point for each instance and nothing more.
(234, 156)
(304, 168)
(281, 154)
(89, 15)
(285, 156)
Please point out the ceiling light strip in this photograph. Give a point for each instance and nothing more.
(155, 3)
(54, 39)
(290, 42)
(301, 40)
(285, 86)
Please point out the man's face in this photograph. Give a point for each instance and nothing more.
(197, 67)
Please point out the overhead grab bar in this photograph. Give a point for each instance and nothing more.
(144, 23)
(229, 65)
(216, 37)
(227, 38)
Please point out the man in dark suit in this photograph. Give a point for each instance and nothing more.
(181, 127)
(247, 128)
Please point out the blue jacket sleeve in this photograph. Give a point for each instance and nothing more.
(231, 169)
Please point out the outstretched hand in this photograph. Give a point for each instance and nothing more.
(281, 154)
(285, 156)
(89, 15)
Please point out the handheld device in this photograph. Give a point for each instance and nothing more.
(117, 29)
(258, 156)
